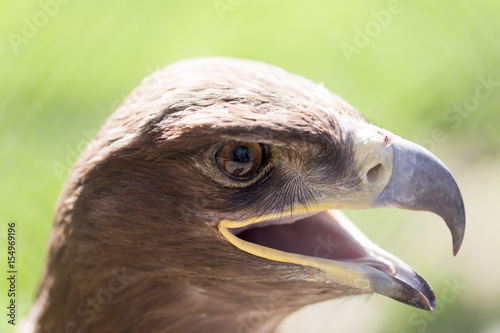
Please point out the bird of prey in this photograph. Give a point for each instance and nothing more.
(209, 202)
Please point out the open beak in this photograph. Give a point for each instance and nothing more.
(393, 172)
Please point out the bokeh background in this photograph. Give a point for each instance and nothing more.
(426, 70)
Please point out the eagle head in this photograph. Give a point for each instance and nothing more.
(217, 185)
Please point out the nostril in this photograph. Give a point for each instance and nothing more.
(373, 174)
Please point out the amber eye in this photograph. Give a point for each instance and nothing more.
(240, 160)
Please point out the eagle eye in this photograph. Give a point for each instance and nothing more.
(241, 160)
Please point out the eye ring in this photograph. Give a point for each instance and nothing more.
(241, 161)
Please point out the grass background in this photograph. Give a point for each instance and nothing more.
(67, 74)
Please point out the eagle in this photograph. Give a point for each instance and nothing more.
(210, 202)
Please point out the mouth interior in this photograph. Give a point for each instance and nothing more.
(319, 235)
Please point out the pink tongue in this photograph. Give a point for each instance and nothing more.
(315, 236)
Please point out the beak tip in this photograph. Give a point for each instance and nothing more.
(426, 300)
(432, 306)
(457, 244)
(457, 229)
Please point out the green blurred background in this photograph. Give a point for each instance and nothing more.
(426, 70)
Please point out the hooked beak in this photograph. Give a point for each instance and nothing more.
(420, 181)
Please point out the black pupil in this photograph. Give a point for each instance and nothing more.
(242, 155)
